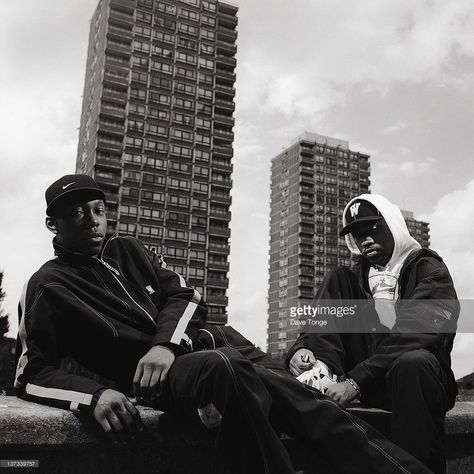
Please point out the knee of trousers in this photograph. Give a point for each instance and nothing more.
(414, 365)
(226, 362)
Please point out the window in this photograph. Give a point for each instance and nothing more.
(152, 196)
(159, 114)
(206, 93)
(161, 82)
(163, 67)
(165, 22)
(151, 231)
(183, 72)
(156, 163)
(208, 20)
(207, 48)
(135, 126)
(164, 37)
(177, 234)
(126, 228)
(186, 58)
(199, 221)
(200, 204)
(180, 151)
(140, 76)
(142, 31)
(201, 171)
(177, 218)
(199, 238)
(138, 93)
(148, 213)
(154, 179)
(180, 167)
(165, 8)
(205, 77)
(134, 141)
(200, 187)
(143, 16)
(132, 175)
(132, 193)
(196, 273)
(163, 52)
(188, 14)
(156, 129)
(188, 29)
(139, 61)
(176, 252)
(187, 43)
(141, 46)
(184, 103)
(183, 119)
(209, 6)
(197, 254)
(183, 135)
(160, 98)
(179, 201)
(202, 155)
(128, 210)
(204, 108)
(156, 146)
(206, 63)
(208, 34)
(179, 183)
(202, 139)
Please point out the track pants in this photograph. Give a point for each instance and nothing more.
(255, 397)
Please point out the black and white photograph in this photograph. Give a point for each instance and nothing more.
(237, 236)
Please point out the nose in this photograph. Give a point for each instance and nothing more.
(91, 219)
(367, 241)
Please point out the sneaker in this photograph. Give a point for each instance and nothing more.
(319, 377)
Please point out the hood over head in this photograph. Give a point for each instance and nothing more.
(404, 243)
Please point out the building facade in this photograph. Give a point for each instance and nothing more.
(419, 230)
(156, 130)
(311, 182)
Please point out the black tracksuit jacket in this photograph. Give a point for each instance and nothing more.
(105, 312)
(423, 277)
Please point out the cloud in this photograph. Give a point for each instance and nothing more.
(395, 128)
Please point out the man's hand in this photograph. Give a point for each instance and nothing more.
(152, 370)
(343, 393)
(302, 360)
(117, 415)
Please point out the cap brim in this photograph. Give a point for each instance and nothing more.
(353, 225)
(72, 196)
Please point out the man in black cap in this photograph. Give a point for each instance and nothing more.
(110, 304)
(402, 360)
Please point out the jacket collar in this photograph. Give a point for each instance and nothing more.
(76, 258)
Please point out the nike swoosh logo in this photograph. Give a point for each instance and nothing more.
(66, 185)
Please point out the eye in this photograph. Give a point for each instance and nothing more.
(100, 212)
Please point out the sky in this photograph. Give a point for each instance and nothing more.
(393, 78)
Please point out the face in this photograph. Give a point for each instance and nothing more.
(81, 227)
(375, 242)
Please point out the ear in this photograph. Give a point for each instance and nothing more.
(51, 225)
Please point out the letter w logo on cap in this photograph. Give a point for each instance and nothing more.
(354, 209)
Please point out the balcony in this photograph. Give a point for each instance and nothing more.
(224, 134)
(230, 48)
(113, 112)
(226, 20)
(227, 61)
(122, 49)
(111, 128)
(223, 151)
(219, 230)
(120, 18)
(224, 105)
(104, 145)
(224, 75)
(224, 119)
(226, 34)
(223, 89)
(218, 282)
(216, 299)
(116, 79)
(220, 215)
(218, 265)
(119, 32)
(113, 95)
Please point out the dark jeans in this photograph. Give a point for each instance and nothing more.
(257, 399)
(413, 387)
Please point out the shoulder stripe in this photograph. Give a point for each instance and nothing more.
(23, 359)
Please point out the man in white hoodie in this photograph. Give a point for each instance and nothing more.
(401, 361)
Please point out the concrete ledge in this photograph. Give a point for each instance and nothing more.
(63, 442)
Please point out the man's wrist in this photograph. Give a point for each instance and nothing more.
(355, 385)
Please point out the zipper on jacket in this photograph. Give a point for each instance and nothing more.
(115, 273)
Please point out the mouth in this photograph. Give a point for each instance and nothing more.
(371, 253)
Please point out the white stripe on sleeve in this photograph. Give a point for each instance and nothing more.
(59, 394)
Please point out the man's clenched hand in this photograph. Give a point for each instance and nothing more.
(117, 415)
(343, 393)
(302, 360)
(152, 370)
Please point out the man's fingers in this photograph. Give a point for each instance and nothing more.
(138, 373)
(135, 414)
(155, 378)
(145, 379)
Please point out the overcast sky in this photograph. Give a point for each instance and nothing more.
(393, 78)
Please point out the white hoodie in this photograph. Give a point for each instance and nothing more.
(383, 281)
